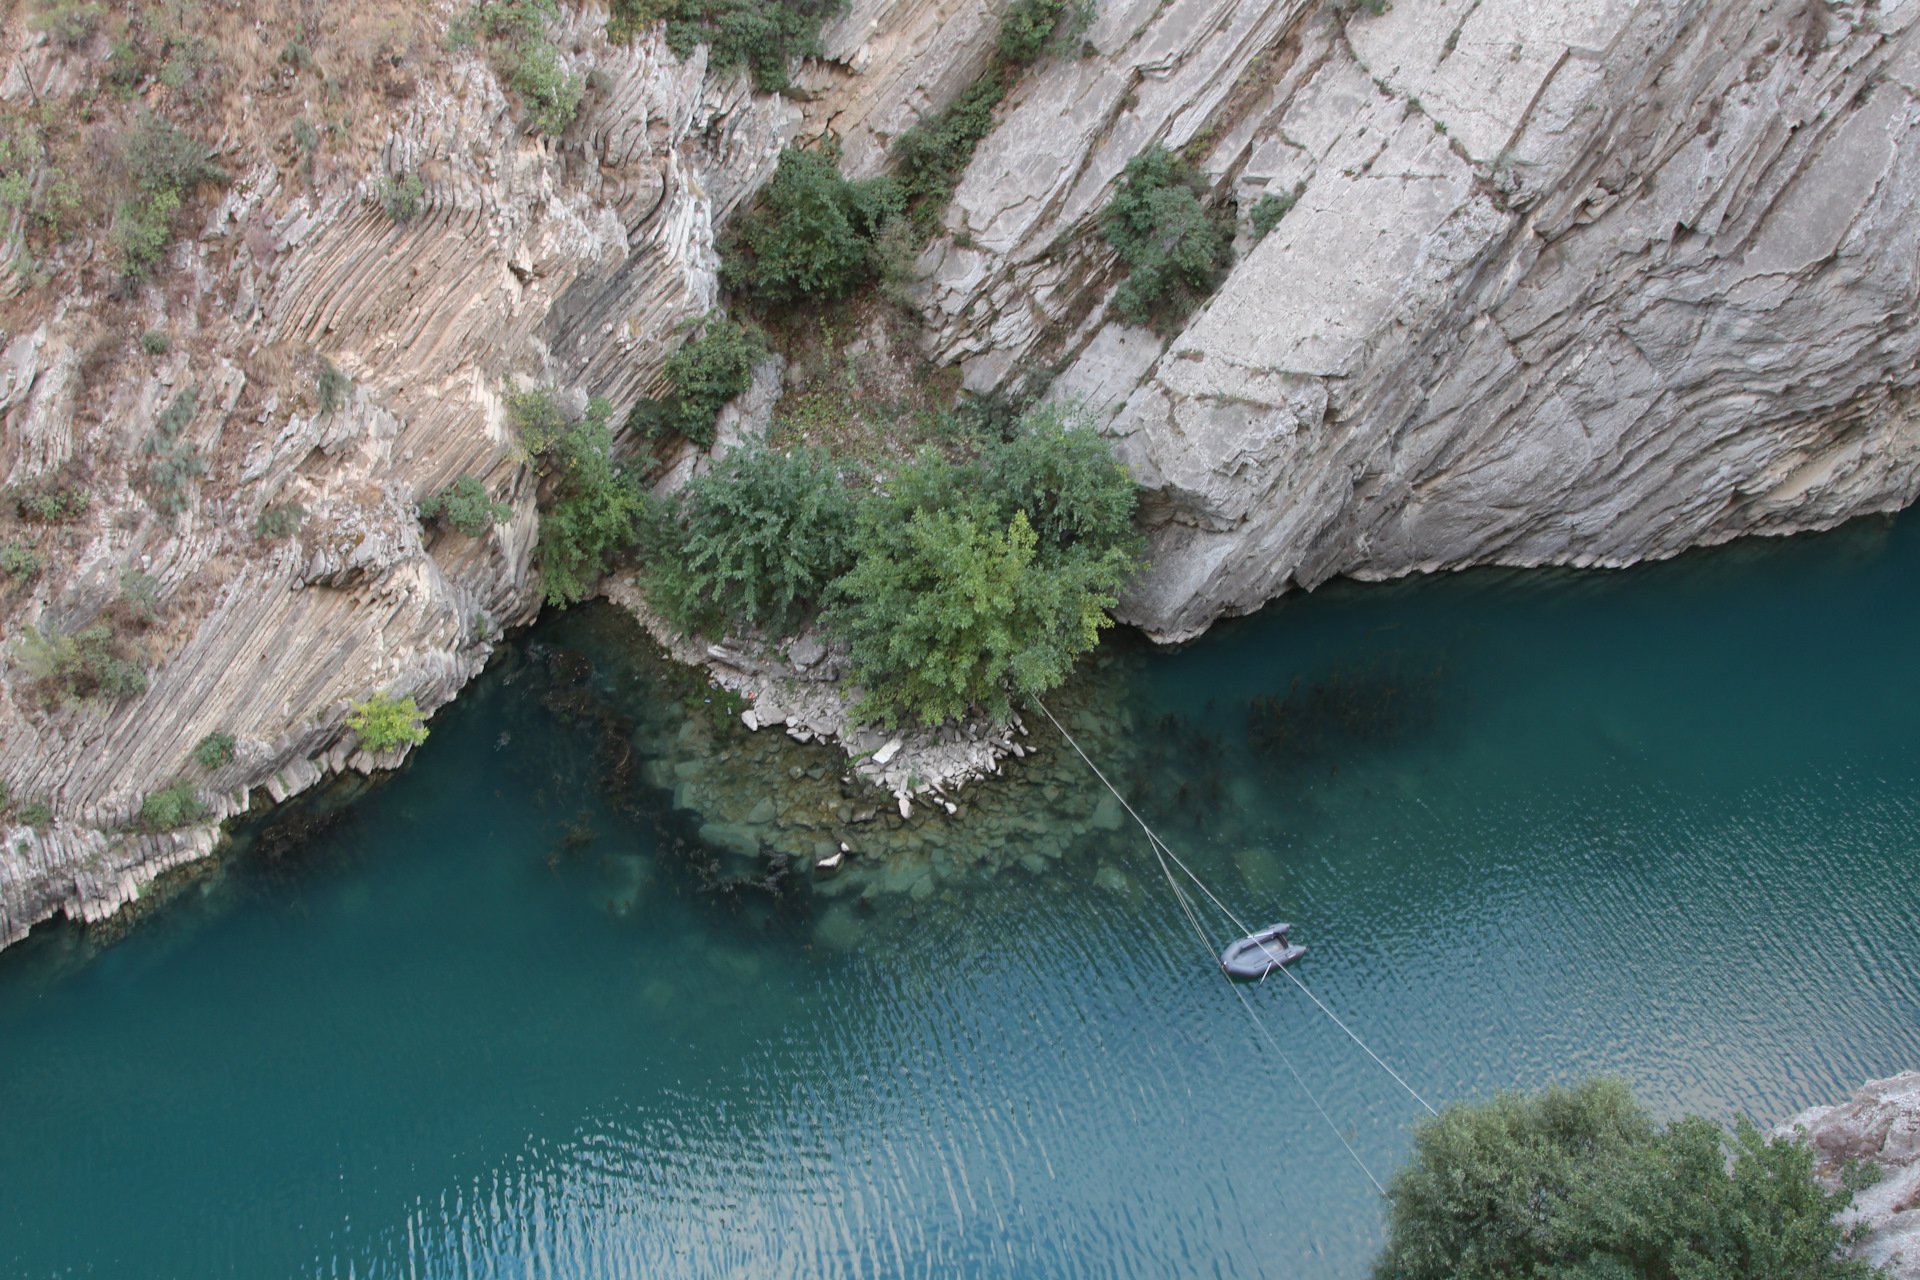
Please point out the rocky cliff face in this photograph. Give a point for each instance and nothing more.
(1580, 283)
(1879, 1125)
(1577, 283)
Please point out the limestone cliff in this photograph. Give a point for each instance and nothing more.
(1577, 283)
(1880, 1126)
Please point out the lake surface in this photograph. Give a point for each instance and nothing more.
(483, 1021)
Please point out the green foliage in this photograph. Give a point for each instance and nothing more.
(705, 374)
(190, 68)
(70, 22)
(279, 521)
(1031, 29)
(1578, 1184)
(515, 34)
(169, 809)
(949, 612)
(594, 508)
(37, 814)
(165, 163)
(330, 386)
(762, 35)
(214, 750)
(29, 185)
(384, 722)
(140, 596)
(813, 235)
(155, 342)
(20, 563)
(979, 579)
(174, 461)
(1268, 210)
(90, 663)
(399, 198)
(930, 157)
(466, 505)
(53, 503)
(764, 534)
(1175, 250)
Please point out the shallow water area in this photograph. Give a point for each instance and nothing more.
(506, 1015)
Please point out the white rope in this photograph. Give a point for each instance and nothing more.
(1261, 1028)
(1160, 847)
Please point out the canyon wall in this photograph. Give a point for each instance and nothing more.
(1581, 283)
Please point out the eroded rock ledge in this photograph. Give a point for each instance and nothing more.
(1880, 1125)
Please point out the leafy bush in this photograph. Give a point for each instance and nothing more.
(705, 374)
(399, 198)
(37, 814)
(165, 163)
(279, 521)
(155, 342)
(330, 386)
(214, 750)
(140, 596)
(90, 663)
(761, 35)
(174, 461)
(466, 505)
(930, 157)
(53, 503)
(1268, 210)
(70, 22)
(21, 563)
(1175, 250)
(515, 32)
(979, 579)
(1579, 1182)
(167, 810)
(1030, 29)
(945, 613)
(384, 722)
(764, 534)
(813, 234)
(595, 508)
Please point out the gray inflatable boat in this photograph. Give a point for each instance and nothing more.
(1260, 953)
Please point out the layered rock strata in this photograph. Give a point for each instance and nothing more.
(1580, 283)
(1878, 1126)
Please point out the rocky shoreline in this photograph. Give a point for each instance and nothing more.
(1880, 1125)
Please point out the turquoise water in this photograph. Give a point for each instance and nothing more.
(483, 1021)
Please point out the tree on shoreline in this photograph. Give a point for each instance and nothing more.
(1579, 1184)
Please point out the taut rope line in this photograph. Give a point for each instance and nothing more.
(1162, 853)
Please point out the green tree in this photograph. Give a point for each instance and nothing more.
(214, 750)
(765, 533)
(1579, 1184)
(594, 509)
(705, 373)
(384, 722)
(950, 612)
(466, 505)
(1176, 251)
(813, 234)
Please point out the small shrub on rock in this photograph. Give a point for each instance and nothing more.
(20, 563)
(140, 597)
(762, 35)
(165, 164)
(90, 663)
(174, 461)
(1176, 251)
(1031, 29)
(466, 505)
(515, 35)
(155, 342)
(57, 503)
(279, 521)
(593, 508)
(399, 197)
(384, 722)
(1268, 210)
(705, 374)
(37, 814)
(330, 386)
(813, 235)
(172, 808)
(214, 750)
